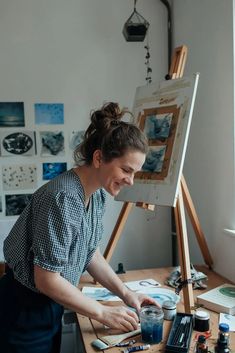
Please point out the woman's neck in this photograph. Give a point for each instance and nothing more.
(87, 175)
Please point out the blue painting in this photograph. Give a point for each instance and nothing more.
(51, 170)
(154, 159)
(12, 114)
(158, 127)
(50, 113)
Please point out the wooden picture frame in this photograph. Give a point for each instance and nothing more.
(160, 126)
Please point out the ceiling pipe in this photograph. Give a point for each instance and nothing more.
(169, 30)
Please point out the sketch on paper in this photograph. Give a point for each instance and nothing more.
(51, 170)
(163, 112)
(52, 143)
(50, 113)
(15, 204)
(99, 293)
(159, 294)
(19, 176)
(12, 114)
(17, 143)
(76, 138)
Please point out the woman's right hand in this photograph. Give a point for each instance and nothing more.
(118, 317)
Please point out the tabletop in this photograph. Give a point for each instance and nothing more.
(91, 329)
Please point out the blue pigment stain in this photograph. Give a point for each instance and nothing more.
(152, 333)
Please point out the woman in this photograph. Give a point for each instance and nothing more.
(56, 238)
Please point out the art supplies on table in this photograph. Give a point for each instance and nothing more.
(137, 348)
(106, 342)
(220, 299)
(180, 334)
(201, 321)
(151, 322)
(201, 345)
(169, 309)
(222, 344)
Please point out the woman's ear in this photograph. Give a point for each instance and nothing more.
(97, 158)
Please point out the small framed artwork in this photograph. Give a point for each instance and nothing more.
(16, 203)
(22, 176)
(17, 143)
(76, 137)
(49, 113)
(52, 143)
(160, 126)
(51, 170)
(12, 114)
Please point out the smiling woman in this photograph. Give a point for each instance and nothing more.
(56, 239)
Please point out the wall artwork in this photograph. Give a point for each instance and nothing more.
(51, 113)
(16, 177)
(12, 114)
(76, 138)
(19, 175)
(15, 204)
(163, 112)
(52, 143)
(51, 170)
(16, 143)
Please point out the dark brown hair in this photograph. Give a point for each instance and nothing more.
(111, 135)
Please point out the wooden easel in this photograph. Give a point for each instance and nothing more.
(176, 71)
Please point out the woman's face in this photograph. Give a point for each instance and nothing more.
(120, 171)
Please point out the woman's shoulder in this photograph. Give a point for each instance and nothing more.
(65, 185)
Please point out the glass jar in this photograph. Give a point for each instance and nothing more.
(151, 322)
(169, 309)
(201, 321)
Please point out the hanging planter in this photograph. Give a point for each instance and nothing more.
(136, 27)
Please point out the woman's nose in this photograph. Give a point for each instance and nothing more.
(129, 180)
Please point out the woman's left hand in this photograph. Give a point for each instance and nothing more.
(137, 300)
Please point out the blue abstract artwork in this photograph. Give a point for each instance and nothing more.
(51, 170)
(12, 114)
(50, 113)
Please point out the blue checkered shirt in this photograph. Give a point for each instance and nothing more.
(55, 231)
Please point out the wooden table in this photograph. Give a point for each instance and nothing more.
(91, 329)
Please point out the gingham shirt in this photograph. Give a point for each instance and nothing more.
(55, 231)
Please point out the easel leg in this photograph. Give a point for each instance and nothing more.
(126, 208)
(181, 230)
(195, 223)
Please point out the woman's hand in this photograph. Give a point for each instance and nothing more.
(118, 317)
(137, 300)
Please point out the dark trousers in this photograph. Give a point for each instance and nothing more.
(29, 322)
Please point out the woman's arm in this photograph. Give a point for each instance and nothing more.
(104, 274)
(63, 292)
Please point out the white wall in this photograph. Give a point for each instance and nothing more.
(73, 52)
(206, 27)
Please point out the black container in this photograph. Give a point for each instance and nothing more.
(201, 321)
(180, 334)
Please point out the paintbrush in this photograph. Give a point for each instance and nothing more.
(111, 340)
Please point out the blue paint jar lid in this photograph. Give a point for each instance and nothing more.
(224, 327)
